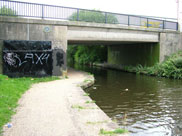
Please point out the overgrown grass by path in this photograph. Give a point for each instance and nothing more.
(170, 68)
(11, 90)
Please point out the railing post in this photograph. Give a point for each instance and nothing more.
(42, 11)
(163, 24)
(177, 26)
(106, 17)
(147, 22)
(77, 15)
(128, 20)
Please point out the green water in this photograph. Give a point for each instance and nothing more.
(146, 106)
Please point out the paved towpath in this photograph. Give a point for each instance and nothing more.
(58, 108)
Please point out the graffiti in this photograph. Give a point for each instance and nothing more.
(10, 59)
(15, 60)
(59, 58)
(27, 58)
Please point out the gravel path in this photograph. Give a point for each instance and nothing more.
(58, 108)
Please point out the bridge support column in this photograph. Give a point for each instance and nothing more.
(169, 43)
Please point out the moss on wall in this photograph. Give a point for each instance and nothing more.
(1, 52)
(146, 54)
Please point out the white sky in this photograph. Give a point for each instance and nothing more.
(160, 8)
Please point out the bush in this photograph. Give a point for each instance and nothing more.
(87, 54)
(178, 62)
(170, 68)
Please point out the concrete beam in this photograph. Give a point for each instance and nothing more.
(110, 35)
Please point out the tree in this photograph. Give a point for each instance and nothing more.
(89, 54)
(93, 16)
(7, 11)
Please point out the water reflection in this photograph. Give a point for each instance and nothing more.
(143, 105)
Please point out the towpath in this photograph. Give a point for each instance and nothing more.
(58, 108)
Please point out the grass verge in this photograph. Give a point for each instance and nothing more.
(11, 90)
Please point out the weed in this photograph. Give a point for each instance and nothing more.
(87, 102)
(87, 80)
(86, 94)
(116, 131)
(77, 107)
(97, 122)
(170, 68)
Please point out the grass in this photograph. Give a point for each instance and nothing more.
(87, 102)
(86, 94)
(87, 80)
(81, 107)
(11, 90)
(116, 131)
(96, 122)
(78, 107)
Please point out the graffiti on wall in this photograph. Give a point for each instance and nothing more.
(13, 59)
(27, 58)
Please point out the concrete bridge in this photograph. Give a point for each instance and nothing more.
(126, 44)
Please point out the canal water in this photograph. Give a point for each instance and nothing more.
(144, 105)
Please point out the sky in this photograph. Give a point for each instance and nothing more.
(159, 8)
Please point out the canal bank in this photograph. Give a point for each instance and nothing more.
(59, 108)
(144, 105)
(170, 68)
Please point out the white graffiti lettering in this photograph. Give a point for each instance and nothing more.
(9, 58)
(39, 58)
(13, 59)
(29, 56)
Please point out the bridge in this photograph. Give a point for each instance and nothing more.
(129, 38)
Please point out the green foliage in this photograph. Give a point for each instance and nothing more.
(93, 16)
(78, 107)
(71, 51)
(88, 102)
(178, 62)
(170, 68)
(87, 54)
(86, 94)
(11, 90)
(116, 131)
(7, 11)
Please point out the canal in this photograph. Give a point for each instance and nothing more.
(144, 105)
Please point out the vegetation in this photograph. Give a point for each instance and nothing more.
(88, 102)
(86, 94)
(78, 107)
(96, 122)
(7, 11)
(116, 131)
(89, 54)
(86, 54)
(93, 16)
(11, 90)
(170, 68)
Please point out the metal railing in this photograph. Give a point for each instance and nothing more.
(34, 10)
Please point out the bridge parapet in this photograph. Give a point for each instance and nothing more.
(43, 11)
